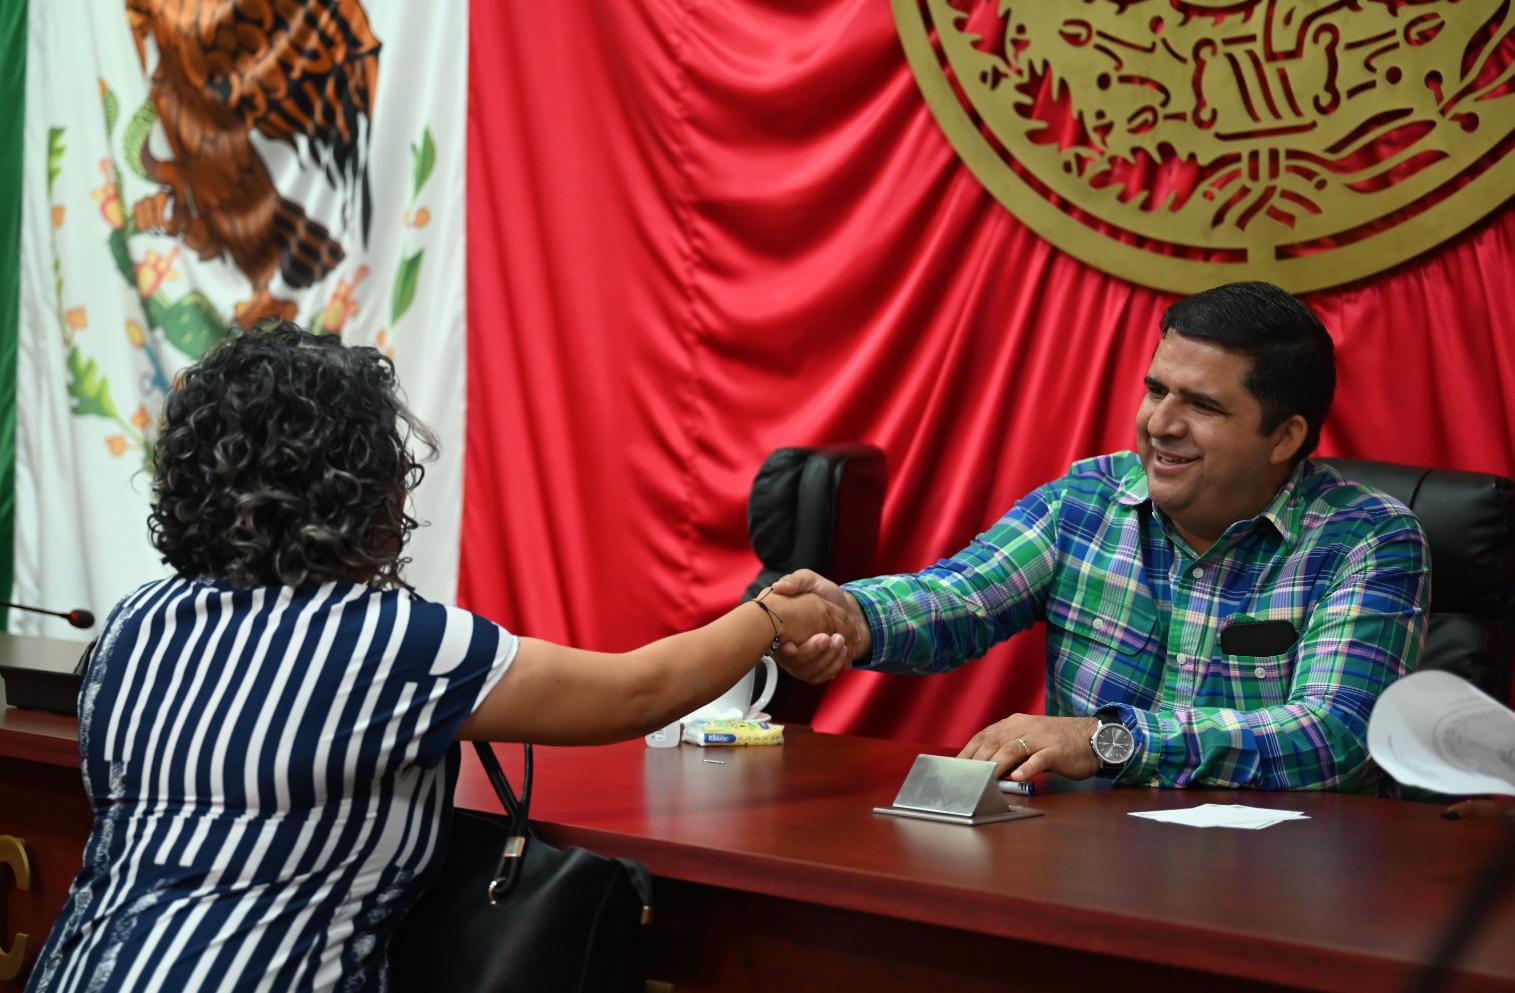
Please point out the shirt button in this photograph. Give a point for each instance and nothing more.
(1260, 672)
(1197, 572)
(1099, 624)
(1183, 661)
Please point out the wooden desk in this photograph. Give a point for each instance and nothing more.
(774, 873)
(772, 867)
(42, 803)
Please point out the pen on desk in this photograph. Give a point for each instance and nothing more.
(1022, 789)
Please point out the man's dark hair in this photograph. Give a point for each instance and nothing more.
(284, 458)
(1293, 361)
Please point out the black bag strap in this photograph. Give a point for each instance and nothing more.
(514, 807)
(518, 809)
(641, 881)
(519, 812)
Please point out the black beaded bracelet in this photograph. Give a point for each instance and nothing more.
(773, 619)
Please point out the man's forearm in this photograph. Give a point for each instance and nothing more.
(936, 619)
(1300, 745)
(925, 623)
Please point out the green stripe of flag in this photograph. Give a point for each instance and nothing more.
(12, 150)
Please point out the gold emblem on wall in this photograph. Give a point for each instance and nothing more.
(1187, 143)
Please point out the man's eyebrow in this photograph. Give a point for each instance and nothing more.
(1196, 397)
(1201, 399)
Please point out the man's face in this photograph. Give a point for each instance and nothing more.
(1199, 435)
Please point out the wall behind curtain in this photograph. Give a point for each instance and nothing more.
(702, 231)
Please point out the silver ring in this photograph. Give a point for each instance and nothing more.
(1025, 746)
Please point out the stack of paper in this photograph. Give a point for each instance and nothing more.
(1231, 815)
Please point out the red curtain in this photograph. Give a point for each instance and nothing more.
(699, 232)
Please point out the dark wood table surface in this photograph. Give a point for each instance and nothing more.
(770, 858)
(1351, 899)
(37, 736)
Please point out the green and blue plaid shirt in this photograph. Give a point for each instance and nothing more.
(1134, 620)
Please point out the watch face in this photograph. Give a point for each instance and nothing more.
(1113, 743)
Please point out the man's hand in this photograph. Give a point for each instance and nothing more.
(817, 622)
(1031, 744)
(815, 660)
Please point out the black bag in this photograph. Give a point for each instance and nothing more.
(508, 912)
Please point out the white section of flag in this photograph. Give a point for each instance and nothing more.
(82, 493)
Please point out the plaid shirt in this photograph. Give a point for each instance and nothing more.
(1134, 620)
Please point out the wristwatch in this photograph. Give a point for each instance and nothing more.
(1113, 745)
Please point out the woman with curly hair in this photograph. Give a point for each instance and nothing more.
(268, 737)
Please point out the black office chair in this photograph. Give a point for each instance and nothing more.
(1469, 519)
(814, 508)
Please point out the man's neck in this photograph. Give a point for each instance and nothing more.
(1200, 544)
(1208, 533)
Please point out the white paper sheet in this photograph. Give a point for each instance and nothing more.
(1439, 732)
(1231, 815)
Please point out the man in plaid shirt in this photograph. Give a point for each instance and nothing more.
(1221, 611)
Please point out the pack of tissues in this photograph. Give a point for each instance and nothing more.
(705, 733)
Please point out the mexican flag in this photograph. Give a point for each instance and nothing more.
(179, 172)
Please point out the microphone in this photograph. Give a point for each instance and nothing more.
(78, 618)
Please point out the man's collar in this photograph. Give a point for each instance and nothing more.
(1282, 512)
(1133, 486)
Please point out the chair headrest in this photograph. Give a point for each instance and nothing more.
(1469, 518)
(771, 519)
(818, 508)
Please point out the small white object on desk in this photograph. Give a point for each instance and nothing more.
(666, 737)
(1231, 815)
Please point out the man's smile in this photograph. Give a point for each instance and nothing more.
(1168, 462)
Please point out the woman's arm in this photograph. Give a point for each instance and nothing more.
(555, 695)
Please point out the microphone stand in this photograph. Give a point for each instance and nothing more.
(78, 618)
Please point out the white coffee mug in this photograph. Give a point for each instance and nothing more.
(737, 704)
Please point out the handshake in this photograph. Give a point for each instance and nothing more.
(828, 632)
(823, 629)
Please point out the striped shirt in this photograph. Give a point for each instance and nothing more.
(1134, 619)
(271, 773)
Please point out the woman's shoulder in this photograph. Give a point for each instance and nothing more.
(423, 621)
(437, 611)
(150, 593)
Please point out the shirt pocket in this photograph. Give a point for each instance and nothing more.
(1089, 648)
(1247, 682)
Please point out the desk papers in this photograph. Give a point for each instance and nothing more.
(1434, 730)
(1230, 815)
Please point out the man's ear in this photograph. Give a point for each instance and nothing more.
(1287, 438)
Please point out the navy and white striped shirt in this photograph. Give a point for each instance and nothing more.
(270, 771)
